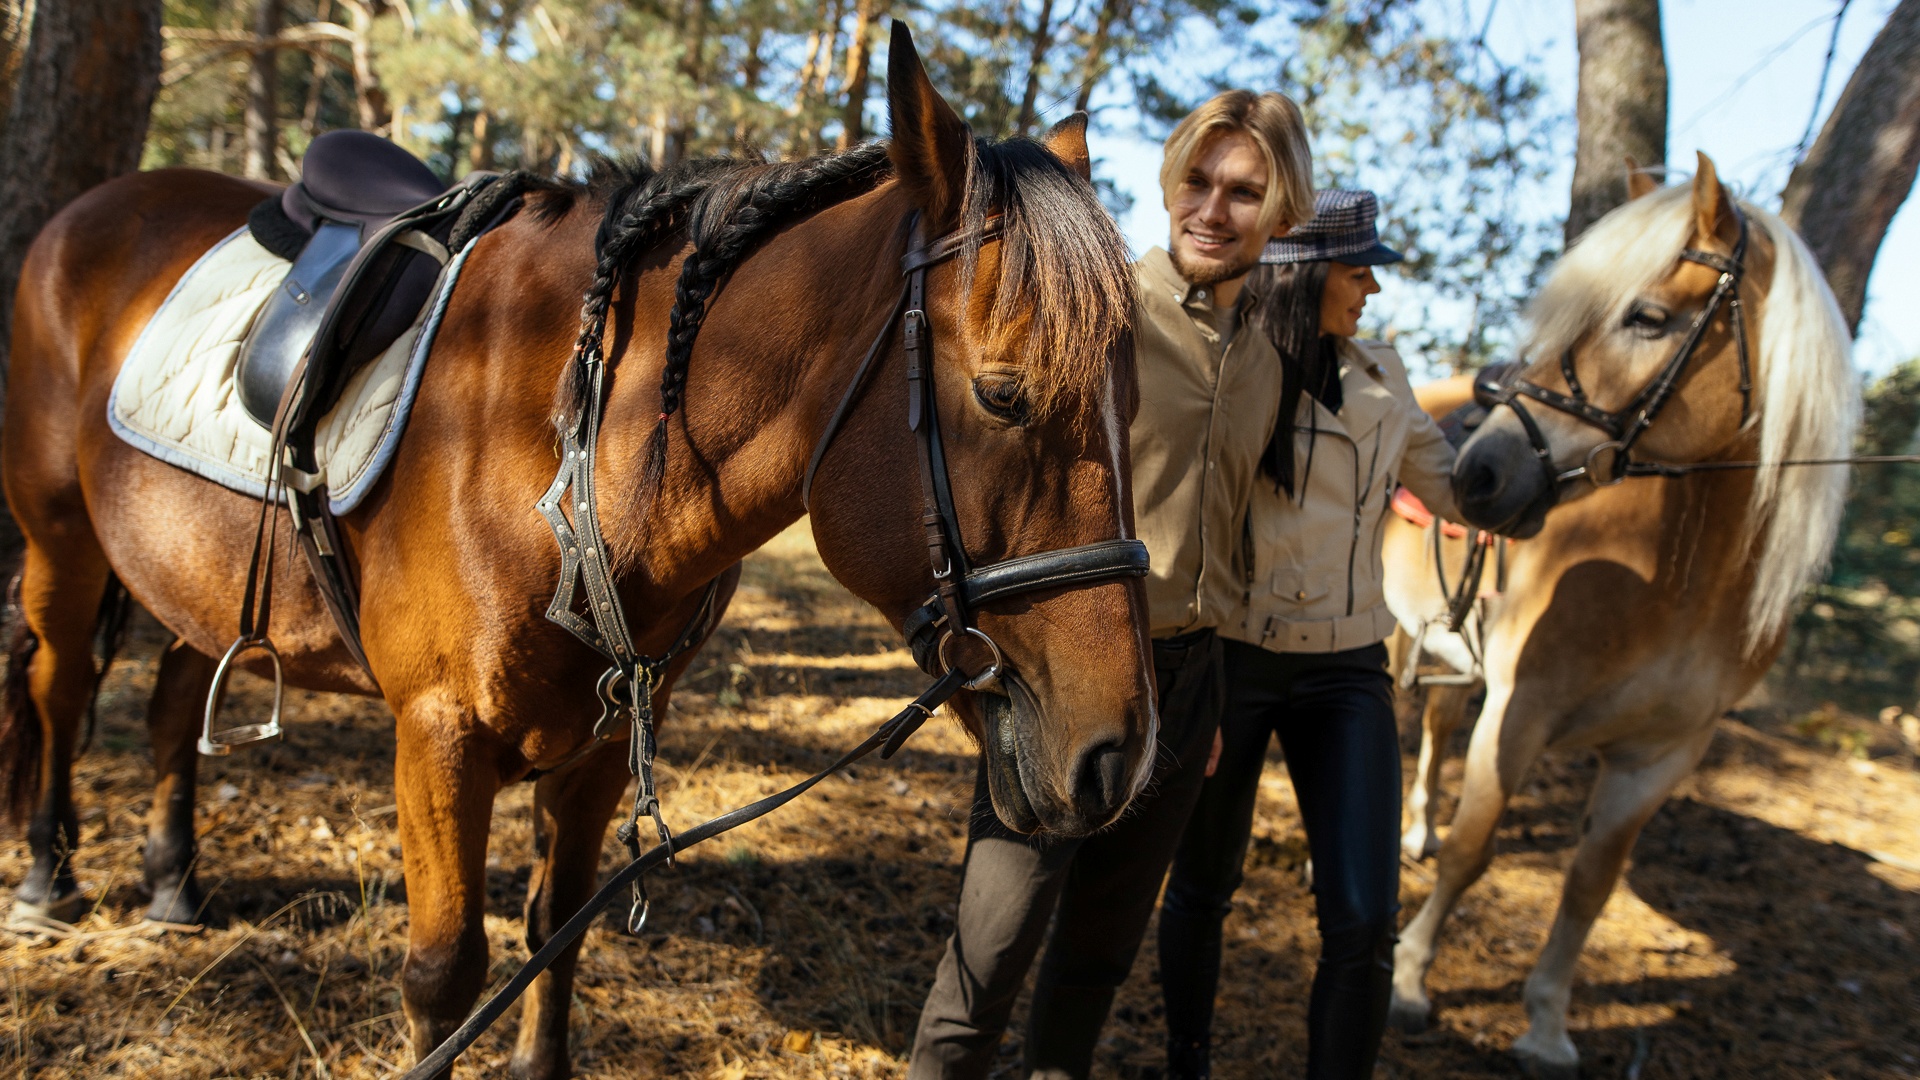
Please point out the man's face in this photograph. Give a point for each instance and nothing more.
(1216, 211)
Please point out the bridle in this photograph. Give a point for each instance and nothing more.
(627, 687)
(1625, 426)
(959, 586)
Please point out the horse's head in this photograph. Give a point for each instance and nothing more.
(1639, 351)
(1025, 319)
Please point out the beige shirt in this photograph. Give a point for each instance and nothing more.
(1313, 568)
(1208, 402)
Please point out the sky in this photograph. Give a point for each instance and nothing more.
(1742, 76)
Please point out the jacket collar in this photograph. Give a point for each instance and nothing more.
(1367, 401)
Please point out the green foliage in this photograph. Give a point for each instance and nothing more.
(1860, 635)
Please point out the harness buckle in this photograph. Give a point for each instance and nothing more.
(985, 679)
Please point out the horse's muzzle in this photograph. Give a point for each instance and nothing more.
(1500, 485)
(1097, 789)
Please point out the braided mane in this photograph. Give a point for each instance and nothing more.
(1063, 267)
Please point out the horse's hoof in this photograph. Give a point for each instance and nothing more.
(53, 916)
(180, 905)
(1409, 1017)
(1547, 1059)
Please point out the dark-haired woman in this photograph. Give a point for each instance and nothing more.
(1305, 658)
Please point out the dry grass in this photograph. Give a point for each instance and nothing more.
(1753, 936)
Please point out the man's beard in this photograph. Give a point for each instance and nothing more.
(1211, 272)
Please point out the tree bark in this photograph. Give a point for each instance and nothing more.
(1844, 195)
(853, 122)
(263, 84)
(88, 71)
(1093, 67)
(1622, 107)
(1036, 61)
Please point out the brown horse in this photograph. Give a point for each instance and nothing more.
(1637, 613)
(455, 566)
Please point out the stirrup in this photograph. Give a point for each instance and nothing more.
(220, 744)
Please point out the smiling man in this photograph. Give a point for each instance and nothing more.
(1236, 174)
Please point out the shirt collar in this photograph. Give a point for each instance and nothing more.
(1159, 264)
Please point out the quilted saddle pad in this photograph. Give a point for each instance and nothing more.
(176, 397)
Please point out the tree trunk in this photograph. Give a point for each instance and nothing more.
(1036, 61)
(87, 75)
(1093, 67)
(263, 81)
(1622, 105)
(369, 100)
(1844, 195)
(853, 123)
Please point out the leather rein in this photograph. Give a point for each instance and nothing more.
(626, 689)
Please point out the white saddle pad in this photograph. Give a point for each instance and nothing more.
(176, 396)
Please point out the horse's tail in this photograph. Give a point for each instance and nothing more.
(21, 732)
(21, 736)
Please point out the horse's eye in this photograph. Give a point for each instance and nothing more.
(1647, 318)
(1000, 395)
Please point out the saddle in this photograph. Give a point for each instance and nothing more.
(359, 228)
(368, 228)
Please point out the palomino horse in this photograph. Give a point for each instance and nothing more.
(1640, 612)
(1035, 387)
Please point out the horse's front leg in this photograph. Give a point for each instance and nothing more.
(1502, 750)
(1627, 792)
(174, 716)
(1446, 710)
(446, 774)
(570, 812)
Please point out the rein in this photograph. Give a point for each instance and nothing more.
(626, 689)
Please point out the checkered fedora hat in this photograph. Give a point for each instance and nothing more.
(1342, 230)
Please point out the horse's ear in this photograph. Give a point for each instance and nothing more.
(1068, 142)
(1712, 209)
(930, 141)
(1639, 181)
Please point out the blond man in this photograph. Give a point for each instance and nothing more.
(1236, 174)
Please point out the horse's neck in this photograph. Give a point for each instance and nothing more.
(778, 346)
(1667, 560)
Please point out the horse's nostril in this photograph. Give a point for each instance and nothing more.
(1477, 482)
(1103, 779)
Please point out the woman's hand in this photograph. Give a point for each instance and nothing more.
(1213, 758)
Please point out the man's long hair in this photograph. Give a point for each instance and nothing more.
(1283, 302)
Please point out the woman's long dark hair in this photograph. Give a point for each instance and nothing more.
(1283, 302)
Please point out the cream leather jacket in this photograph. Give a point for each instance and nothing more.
(1313, 567)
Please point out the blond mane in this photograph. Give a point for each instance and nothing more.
(1806, 401)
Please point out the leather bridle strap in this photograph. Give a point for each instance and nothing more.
(959, 586)
(1625, 425)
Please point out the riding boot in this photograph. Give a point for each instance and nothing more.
(1189, 969)
(1189, 1059)
(1347, 1012)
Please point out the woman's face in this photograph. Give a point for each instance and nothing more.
(1345, 298)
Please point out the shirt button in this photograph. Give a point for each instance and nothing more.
(1199, 294)
(1301, 595)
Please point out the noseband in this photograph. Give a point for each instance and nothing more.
(959, 587)
(1625, 426)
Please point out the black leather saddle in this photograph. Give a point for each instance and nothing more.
(365, 227)
(368, 229)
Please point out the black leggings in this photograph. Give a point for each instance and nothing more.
(1334, 715)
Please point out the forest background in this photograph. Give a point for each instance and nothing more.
(1467, 131)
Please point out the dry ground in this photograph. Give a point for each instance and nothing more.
(1767, 927)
